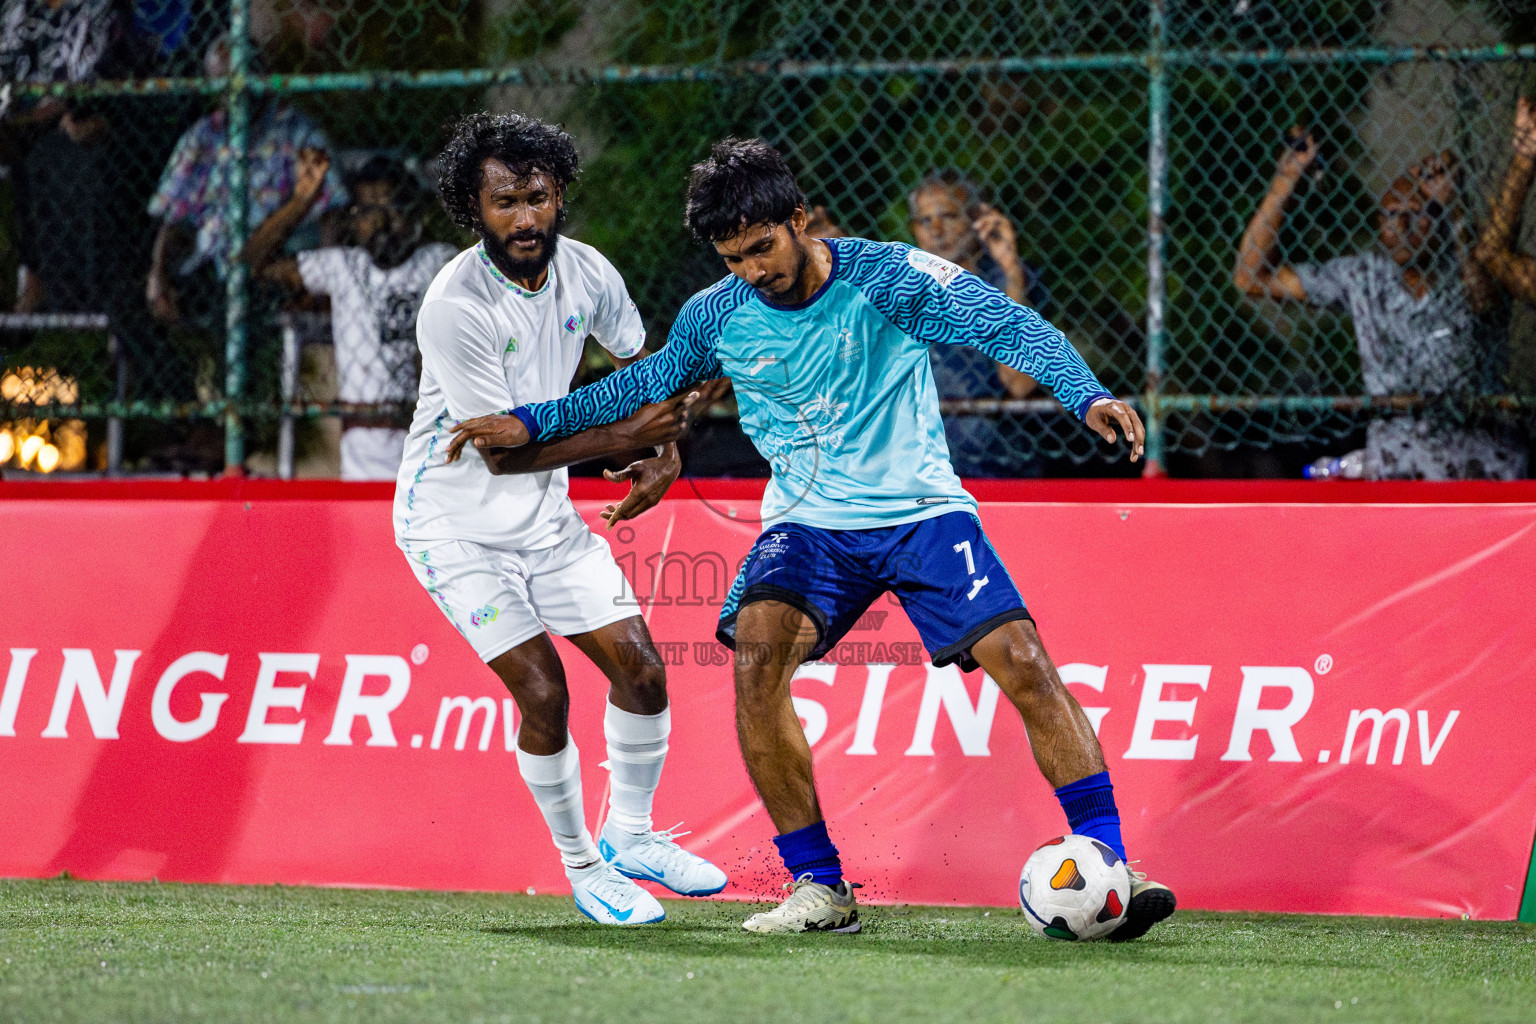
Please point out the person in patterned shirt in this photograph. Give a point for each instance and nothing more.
(193, 194)
(1424, 315)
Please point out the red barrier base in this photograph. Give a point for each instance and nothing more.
(1311, 697)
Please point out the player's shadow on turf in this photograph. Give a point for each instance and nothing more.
(1003, 948)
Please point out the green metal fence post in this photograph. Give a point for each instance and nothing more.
(236, 286)
(1157, 182)
(1527, 911)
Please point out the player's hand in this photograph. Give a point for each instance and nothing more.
(488, 432)
(1524, 140)
(1106, 412)
(649, 480)
(664, 422)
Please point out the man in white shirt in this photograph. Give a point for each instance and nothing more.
(504, 554)
(375, 284)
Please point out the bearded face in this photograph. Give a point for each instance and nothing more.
(521, 215)
(524, 253)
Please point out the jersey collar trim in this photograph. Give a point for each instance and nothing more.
(485, 261)
(818, 293)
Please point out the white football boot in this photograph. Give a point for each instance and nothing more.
(657, 858)
(811, 907)
(607, 897)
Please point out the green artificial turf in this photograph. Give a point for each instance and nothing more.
(147, 952)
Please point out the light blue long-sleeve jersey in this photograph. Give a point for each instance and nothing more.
(836, 392)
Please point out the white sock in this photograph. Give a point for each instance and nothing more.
(637, 746)
(555, 782)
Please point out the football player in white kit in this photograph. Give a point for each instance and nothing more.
(505, 556)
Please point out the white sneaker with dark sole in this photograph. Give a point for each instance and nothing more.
(657, 858)
(607, 897)
(811, 907)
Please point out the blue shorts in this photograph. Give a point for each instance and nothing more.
(943, 571)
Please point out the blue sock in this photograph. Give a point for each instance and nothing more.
(810, 851)
(1090, 807)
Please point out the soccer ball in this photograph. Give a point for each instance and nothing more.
(1074, 888)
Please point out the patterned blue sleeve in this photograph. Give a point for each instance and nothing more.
(687, 358)
(935, 301)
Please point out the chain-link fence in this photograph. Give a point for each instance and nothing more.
(1264, 295)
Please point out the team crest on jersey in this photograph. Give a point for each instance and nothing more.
(941, 270)
(575, 323)
(848, 346)
(773, 545)
(511, 345)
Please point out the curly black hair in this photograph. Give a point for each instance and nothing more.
(744, 181)
(525, 144)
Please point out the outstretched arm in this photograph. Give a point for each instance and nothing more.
(1034, 347)
(686, 359)
(655, 425)
(1256, 274)
(935, 301)
(268, 239)
(1495, 250)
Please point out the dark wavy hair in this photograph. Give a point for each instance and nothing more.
(744, 181)
(525, 144)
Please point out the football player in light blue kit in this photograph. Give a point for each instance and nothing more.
(827, 344)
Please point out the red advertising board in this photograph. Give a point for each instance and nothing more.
(1305, 707)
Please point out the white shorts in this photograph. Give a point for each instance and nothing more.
(499, 598)
(371, 453)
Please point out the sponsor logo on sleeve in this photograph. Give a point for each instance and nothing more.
(941, 270)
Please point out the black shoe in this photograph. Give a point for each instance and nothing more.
(1151, 902)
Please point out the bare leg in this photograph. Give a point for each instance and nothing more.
(623, 652)
(546, 758)
(1064, 744)
(532, 673)
(772, 639)
(1059, 733)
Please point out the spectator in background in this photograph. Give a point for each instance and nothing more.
(375, 284)
(194, 189)
(948, 218)
(1496, 251)
(54, 150)
(1421, 308)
